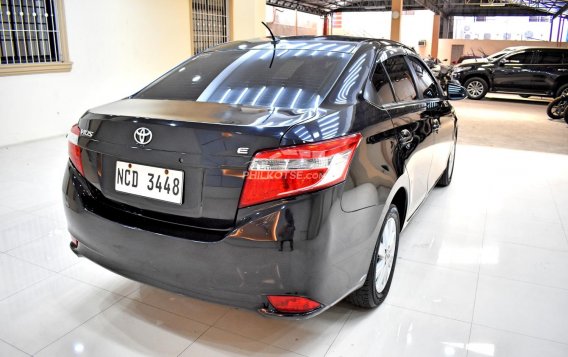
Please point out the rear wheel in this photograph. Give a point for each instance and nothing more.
(446, 177)
(557, 108)
(476, 88)
(379, 277)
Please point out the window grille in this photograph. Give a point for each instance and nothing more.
(209, 23)
(29, 32)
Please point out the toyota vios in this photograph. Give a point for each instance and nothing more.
(270, 175)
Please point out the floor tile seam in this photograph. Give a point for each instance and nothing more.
(519, 333)
(441, 267)
(338, 333)
(37, 265)
(429, 313)
(80, 325)
(27, 287)
(164, 310)
(237, 333)
(15, 347)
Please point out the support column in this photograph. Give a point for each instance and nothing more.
(446, 27)
(396, 9)
(435, 36)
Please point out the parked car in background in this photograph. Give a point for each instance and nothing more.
(541, 71)
(270, 175)
(440, 70)
(465, 57)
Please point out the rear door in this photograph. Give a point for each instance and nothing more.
(513, 73)
(439, 113)
(547, 66)
(414, 128)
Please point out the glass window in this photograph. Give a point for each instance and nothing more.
(381, 84)
(425, 83)
(297, 79)
(401, 78)
(30, 32)
(520, 58)
(549, 57)
(209, 23)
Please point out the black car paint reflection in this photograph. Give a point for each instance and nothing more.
(316, 244)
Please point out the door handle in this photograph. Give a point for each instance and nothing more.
(435, 124)
(406, 137)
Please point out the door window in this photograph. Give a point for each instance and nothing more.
(399, 73)
(425, 83)
(520, 58)
(549, 57)
(383, 92)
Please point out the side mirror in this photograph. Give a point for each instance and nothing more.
(456, 91)
(502, 62)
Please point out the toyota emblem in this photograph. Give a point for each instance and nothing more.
(142, 136)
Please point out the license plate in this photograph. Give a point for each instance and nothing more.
(148, 181)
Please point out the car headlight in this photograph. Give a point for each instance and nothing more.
(461, 69)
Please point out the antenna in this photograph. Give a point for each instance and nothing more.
(275, 39)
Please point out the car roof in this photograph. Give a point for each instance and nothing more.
(345, 44)
(519, 48)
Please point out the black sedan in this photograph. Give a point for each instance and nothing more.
(270, 175)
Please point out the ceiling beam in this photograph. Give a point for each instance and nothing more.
(561, 11)
(430, 5)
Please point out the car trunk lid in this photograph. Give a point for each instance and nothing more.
(210, 143)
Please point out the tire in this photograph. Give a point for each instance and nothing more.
(557, 108)
(562, 90)
(476, 88)
(369, 296)
(446, 178)
(566, 117)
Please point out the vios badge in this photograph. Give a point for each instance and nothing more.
(142, 136)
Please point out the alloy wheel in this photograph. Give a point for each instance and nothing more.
(475, 88)
(385, 255)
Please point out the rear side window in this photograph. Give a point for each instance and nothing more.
(401, 79)
(297, 79)
(425, 83)
(549, 57)
(383, 92)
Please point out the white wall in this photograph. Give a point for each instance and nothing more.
(415, 26)
(246, 18)
(117, 47)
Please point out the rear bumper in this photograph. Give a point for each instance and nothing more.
(327, 258)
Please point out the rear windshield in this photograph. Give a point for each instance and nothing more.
(297, 79)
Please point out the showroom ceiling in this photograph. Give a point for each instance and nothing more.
(444, 7)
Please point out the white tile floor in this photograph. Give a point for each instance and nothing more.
(482, 271)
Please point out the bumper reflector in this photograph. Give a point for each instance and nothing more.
(292, 304)
(74, 243)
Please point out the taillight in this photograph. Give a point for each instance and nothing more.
(293, 170)
(292, 304)
(74, 148)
